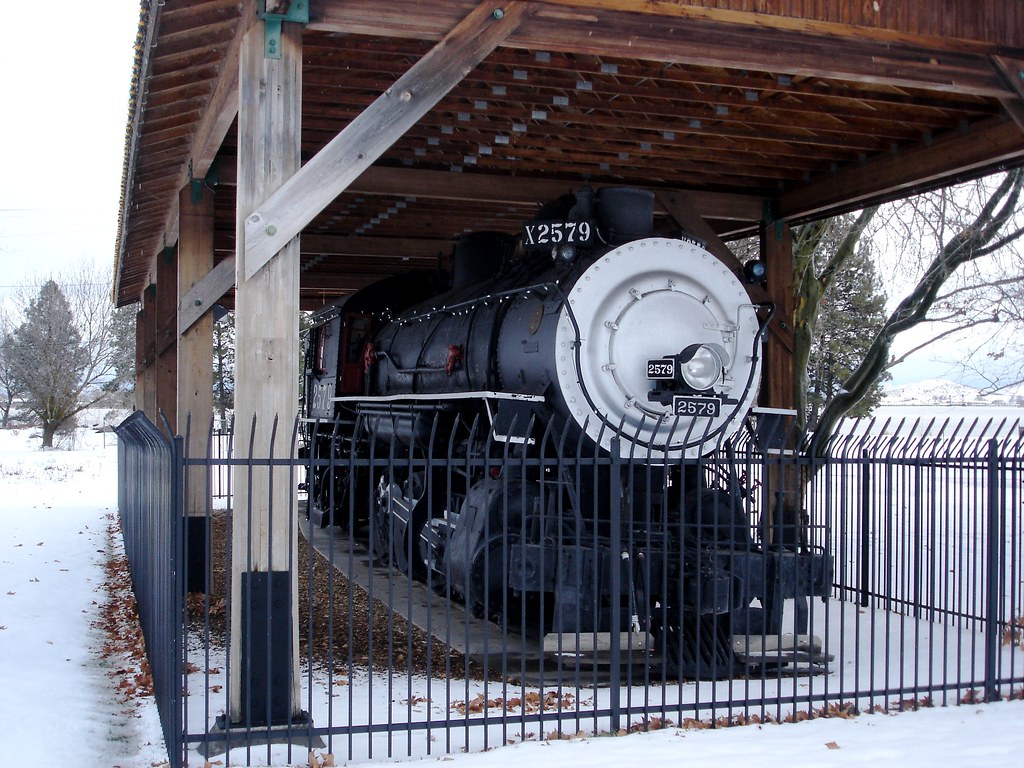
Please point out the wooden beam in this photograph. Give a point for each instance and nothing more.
(328, 246)
(1012, 72)
(840, 21)
(298, 200)
(681, 209)
(204, 293)
(145, 354)
(858, 21)
(667, 33)
(779, 380)
(948, 158)
(222, 106)
(496, 188)
(511, 189)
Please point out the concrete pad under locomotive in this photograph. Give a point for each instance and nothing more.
(547, 434)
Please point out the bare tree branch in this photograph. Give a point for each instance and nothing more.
(997, 283)
(935, 339)
(964, 247)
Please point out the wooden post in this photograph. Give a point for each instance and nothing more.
(195, 371)
(778, 387)
(778, 383)
(264, 616)
(167, 337)
(145, 355)
(783, 524)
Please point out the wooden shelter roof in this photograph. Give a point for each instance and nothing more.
(797, 108)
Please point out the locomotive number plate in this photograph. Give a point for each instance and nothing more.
(661, 368)
(544, 234)
(687, 405)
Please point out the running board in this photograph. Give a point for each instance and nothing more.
(783, 649)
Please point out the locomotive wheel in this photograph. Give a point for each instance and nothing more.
(498, 580)
(714, 518)
(335, 487)
(401, 512)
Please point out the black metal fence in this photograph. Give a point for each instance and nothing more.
(450, 600)
(149, 503)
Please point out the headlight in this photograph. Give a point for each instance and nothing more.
(703, 369)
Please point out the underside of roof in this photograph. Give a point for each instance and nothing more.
(748, 108)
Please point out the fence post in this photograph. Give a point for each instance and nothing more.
(992, 575)
(178, 522)
(865, 531)
(615, 660)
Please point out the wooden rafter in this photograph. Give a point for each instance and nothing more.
(1012, 71)
(696, 41)
(496, 189)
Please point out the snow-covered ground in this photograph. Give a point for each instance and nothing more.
(61, 704)
(941, 392)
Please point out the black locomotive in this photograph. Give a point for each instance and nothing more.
(547, 434)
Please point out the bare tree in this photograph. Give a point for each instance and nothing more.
(959, 245)
(63, 351)
(975, 315)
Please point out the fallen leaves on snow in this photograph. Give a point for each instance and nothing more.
(529, 703)
(124, 645)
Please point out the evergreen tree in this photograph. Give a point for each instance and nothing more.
(122, 327)
(851, 311)
(47, 355)
(11, 386)
(224, 366)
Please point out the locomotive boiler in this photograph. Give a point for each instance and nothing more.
(547, 433)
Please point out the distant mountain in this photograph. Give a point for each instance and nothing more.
(942, 392)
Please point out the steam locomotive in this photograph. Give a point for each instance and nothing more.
(546, 433)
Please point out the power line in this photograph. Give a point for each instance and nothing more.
(76, 209)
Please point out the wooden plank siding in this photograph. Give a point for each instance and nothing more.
(993, 21)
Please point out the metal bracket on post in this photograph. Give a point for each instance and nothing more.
(273, 13)
(196, 185)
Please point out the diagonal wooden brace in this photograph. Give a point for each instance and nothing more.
(306, 193)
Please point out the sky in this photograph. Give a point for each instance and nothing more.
(61, 680)
(68, 69)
